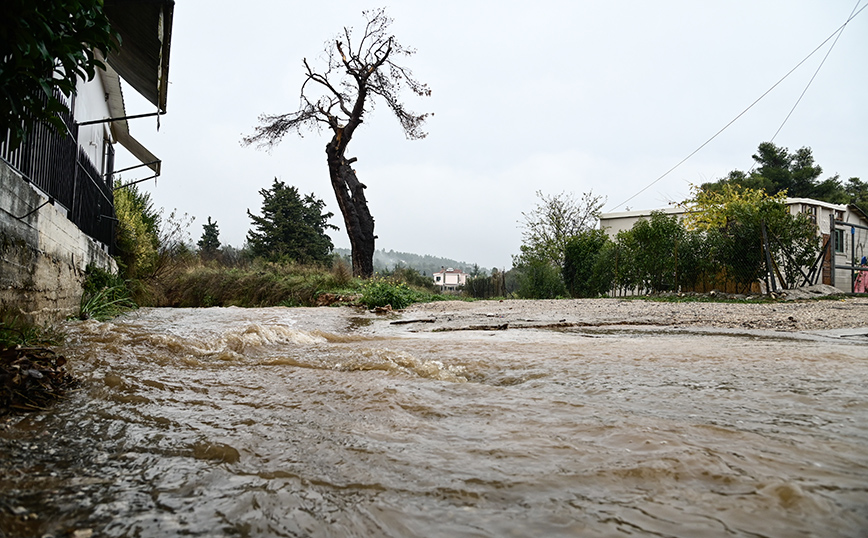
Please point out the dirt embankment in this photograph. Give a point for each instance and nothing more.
(791, 316)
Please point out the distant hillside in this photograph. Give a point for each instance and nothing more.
(426, 264)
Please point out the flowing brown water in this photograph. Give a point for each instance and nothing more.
(310, 422)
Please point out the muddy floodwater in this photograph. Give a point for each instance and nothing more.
(331, 422)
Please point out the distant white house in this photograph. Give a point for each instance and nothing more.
(449, 279)
(850, 232)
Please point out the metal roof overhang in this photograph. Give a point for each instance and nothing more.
(120, 129)
(145, 27)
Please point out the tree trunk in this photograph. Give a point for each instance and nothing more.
(350, 194)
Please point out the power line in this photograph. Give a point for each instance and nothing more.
(828, 52)
(694, 152)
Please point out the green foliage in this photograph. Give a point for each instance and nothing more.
(540, 279)
(552, 223)
(587, 270)
(209, 243)
(291, 227)
(857, 192)
(732, 219)
(15, 331)
(654, 246)
(149, 245)
(778, 170)
(378, 292)
(104, 296)
(409, 276)
(44, 48)
(137, 232)
(106, 304)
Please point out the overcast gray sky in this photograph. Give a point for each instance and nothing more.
(550, 95)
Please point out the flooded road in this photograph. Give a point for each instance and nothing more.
(323, 422)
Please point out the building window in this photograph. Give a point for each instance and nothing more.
(839, 241)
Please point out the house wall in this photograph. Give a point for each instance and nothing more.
(449, 280)
(612, 223)
(855, 240)
(42, 256)
(91, 104)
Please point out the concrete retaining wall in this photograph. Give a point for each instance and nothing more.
(42, 256)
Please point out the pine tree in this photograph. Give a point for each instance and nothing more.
(291, 227)
(210, 241)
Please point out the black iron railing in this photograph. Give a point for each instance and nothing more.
(58, 166)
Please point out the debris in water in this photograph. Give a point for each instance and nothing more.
(31, 378)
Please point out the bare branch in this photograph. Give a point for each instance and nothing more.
(339, 93)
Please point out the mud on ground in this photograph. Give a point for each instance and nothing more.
(798, 313)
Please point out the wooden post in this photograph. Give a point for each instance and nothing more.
(769, 269)
(833, 238)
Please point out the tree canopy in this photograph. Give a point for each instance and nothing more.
(778, 170)
(291, 227)
(337, 96)
(44, 48)
(550, 225)
(732, 218)
(209, 243)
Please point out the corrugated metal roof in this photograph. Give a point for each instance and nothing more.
(120, 129)
(145, 27)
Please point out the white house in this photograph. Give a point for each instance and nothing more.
(449, 279)
(56, 190)
(850, 230)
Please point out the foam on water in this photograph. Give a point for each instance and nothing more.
(294, 422)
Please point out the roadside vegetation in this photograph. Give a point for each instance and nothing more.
(716, 252)
(286, 261)
(736, 233)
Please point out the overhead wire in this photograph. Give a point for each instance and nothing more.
(837, 32)
(828, 52)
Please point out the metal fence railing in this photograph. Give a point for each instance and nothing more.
(849, 250)
(56, 164)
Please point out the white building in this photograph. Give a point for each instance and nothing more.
(449, 279)
(56, 189)
(850, 232)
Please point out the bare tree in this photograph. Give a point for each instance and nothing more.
(337, 97)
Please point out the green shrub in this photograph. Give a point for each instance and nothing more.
(540, 280)
(586, 271)
(104, 296)
(16, 332)
(378, 292)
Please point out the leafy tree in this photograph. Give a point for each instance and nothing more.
(137, 232)
(857, 192)
(732, 220)
(210, 241)
(553, 222)
(44, 48)
(539, 279)
(779, 170)
(291, 227)
(586, 273)
(651, 247)
(338, 96)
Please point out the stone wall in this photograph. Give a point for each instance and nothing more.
(42, 255)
